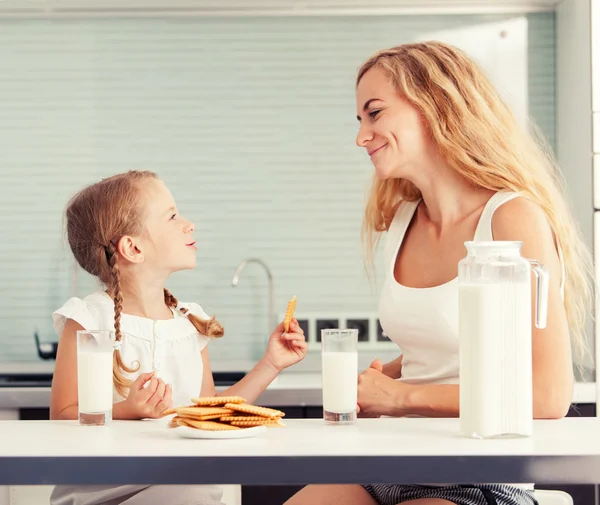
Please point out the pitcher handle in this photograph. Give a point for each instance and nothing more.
(542, 282)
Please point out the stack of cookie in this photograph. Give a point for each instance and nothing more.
(223, 413)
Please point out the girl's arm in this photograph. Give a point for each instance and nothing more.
(283, 350)
(250, 387)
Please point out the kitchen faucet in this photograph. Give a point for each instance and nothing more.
(236, 278)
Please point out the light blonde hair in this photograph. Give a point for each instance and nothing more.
(96, 219)
(478, 136)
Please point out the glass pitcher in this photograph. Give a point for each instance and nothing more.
(494, 328)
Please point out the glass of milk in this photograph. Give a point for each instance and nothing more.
(95, 376)
(340, 375)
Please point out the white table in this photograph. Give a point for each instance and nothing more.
(306, 451)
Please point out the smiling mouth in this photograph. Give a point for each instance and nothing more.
(191, 244)
(371, 153)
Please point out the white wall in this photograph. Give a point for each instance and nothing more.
(251, 122)
(573, 117)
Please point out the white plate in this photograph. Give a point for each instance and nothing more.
(185, 432)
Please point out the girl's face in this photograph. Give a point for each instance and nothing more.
(168, 242)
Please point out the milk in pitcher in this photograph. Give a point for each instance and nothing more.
(495, 333)
(495, 348)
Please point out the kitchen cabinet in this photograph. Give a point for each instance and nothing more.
(575, 130)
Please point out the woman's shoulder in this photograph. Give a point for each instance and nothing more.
(519, 216)
(405, 210)
(521, 219)
(397, 227)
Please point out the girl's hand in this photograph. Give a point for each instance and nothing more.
(286, 349)
(148, 401)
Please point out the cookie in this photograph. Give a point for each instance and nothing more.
(228, 419)
(209, 401)
(257, 422)
(209, 425)
(174, 422)
(201, 418)
(173, 410)
(196, 412)
(289, 314)
(254, 410)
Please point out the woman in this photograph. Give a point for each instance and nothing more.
(452, 165)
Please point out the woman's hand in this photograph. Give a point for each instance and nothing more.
(379, 394)
(363, 414)
(149, 401)
(393, 369)
(286, 349)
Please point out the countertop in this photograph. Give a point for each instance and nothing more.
(307, 450)
(310, 364)
(298, 386)
(287, 390)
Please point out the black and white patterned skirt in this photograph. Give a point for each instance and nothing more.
(485, 494)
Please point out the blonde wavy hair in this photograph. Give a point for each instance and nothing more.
(479, 137)
(96, 219)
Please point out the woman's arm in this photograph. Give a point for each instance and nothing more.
(553, 379)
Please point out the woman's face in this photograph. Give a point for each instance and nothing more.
(391, 130)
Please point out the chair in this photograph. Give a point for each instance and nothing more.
(545, 497)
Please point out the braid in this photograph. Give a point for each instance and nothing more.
(117, 295)
(170, 300)
(121, 383)
(208, 327)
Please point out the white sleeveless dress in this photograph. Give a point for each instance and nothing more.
(171, 348)
(423, 322)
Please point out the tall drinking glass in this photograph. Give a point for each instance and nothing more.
(95, 376)
(340, 375)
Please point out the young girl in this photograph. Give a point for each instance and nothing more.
(126, 231)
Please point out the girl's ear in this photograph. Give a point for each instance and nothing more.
(129, 249)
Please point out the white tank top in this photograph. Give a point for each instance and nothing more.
(423, 322)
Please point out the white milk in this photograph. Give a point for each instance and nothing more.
(94, 381)
(495, 359)
(340, 382)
